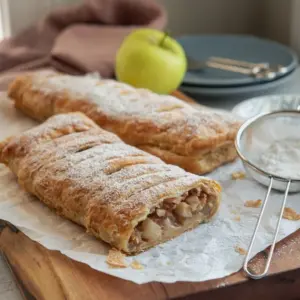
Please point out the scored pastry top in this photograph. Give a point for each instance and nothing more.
(92, 177)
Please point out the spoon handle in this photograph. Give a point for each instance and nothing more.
(239, 63)
(195, 65)
(254, 72)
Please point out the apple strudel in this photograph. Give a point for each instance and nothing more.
(120, 194)
(198, 141)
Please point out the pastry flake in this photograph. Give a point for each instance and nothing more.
(238, 175)
(240, 250)
(290, 214)
(253, 203)
(120, 194)
(136, 265)
(196, 140)
(116, 259)
(237, 218)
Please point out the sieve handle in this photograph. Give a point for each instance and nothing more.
(264, 273)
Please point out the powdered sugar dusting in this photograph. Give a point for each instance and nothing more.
(122, 102)
(282, 158)
(51, 128)
(207, 252)
(99, 165)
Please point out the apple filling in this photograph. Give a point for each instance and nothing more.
(174, 216)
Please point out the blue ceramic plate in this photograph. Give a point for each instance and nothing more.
(240, 47)
(242, 92)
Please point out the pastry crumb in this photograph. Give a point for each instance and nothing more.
(234, 212)
(222, 284)
(136, 265)
(253, 203)
(290, 214)
(240, 250)
(237, 218)
(125, 92)
(238, 175)
(116, 259)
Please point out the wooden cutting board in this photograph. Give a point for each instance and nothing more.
(49, 275)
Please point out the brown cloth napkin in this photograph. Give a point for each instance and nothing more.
(78, 39)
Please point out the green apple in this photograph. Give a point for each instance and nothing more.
(151, 59)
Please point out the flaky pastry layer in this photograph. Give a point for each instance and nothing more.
(170, 128)
(119, 193)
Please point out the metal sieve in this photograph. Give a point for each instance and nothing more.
(253, 138)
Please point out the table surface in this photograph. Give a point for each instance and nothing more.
(8, 287)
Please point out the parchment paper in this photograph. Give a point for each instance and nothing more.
(205, 253)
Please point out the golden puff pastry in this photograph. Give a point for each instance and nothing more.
(120, 194)
(198, 141)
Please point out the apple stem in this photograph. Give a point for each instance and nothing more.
(163, 39)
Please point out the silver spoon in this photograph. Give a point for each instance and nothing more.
(265, 66)
(254, 72)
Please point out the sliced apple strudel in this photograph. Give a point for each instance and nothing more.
(198, 141)
(120, 194)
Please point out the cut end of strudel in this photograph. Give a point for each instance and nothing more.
(120, 194)
(196, 140)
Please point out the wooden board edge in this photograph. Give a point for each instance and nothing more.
(22, 289)
(178, 290)
(22, 252)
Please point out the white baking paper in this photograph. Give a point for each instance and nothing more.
(205, 253)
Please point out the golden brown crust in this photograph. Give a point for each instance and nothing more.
(91, 177)
(137, 116)
(198, 165)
